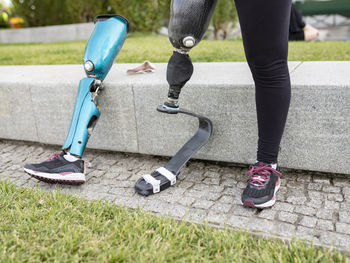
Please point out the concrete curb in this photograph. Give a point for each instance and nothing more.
(37, 103)
(71, 32)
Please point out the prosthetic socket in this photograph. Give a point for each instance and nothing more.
(188, 22)
(100, 52)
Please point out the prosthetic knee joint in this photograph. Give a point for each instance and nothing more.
(188, 22)
(100, 52)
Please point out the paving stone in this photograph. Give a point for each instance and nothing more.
(226, 199)
(196, 215)
(229, 182)
(345, 206)
(325, 225)
(306, 233)
(216, 188)
(283, 229)
(303, 178)
(96, 173)
(232, 191)
(117, 191)
(342, 228)
(296, 185)
(203, 204)
(239, 221)
(175, 191)
(331, 189)
(315, 186)
(186, 201)
(242, 185)
(296, 199)
(341, 182)
(195, 193)
(287, 217)
(267, 214)
(346, 194)
(335, 197)
(185, 184)
(201, 187)
(216, 218)
(325, 214)
(212, 181)
(335, 239)
(211, 196)
(243, 211)
(262, 225)
(283, 207)
(221, 207)
(344, 216)
(175, 211)
(321, 179)
(315, 203)
(195, 176)
(305, 210)
(331, 205)
(308, 221)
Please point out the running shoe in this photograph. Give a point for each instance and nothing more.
(58, 170)
(262, 186)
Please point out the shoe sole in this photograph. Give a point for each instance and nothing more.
(72, 178)
(268, 204)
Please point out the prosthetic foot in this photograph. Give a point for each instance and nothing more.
(101, 50)
(188, 22)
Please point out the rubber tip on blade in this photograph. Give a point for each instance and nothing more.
(165, 109)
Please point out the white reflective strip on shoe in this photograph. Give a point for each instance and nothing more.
(153, 181)
(67, 177)
(169, 175)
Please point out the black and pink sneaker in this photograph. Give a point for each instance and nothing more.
(58, 170)
(262, 186)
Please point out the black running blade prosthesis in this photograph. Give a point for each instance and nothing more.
(166, 176)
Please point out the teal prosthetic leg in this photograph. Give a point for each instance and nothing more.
(100, 52)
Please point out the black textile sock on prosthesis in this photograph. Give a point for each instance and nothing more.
(179, 71)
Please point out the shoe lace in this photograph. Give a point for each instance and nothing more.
(53, 157)
(260, 174)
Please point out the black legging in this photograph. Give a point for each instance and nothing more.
(265, 27)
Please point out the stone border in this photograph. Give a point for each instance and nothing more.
(72, 32)
(37, 103)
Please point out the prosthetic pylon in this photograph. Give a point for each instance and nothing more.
(100, 52)
(188, 22)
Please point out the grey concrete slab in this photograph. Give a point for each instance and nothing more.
(316, 135)
(47, 33)
(322, 73)
(225, 95)
(17, 120)
(116, 130)
(53, 97)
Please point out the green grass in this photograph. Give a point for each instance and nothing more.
(138, 48)
(40, 227)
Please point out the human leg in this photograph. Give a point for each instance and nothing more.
(265, 27)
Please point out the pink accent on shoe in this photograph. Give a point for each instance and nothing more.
(261, 174)
(53, 157)
(65, 173)
(249, 203)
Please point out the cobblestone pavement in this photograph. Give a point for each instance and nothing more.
(310, 206)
